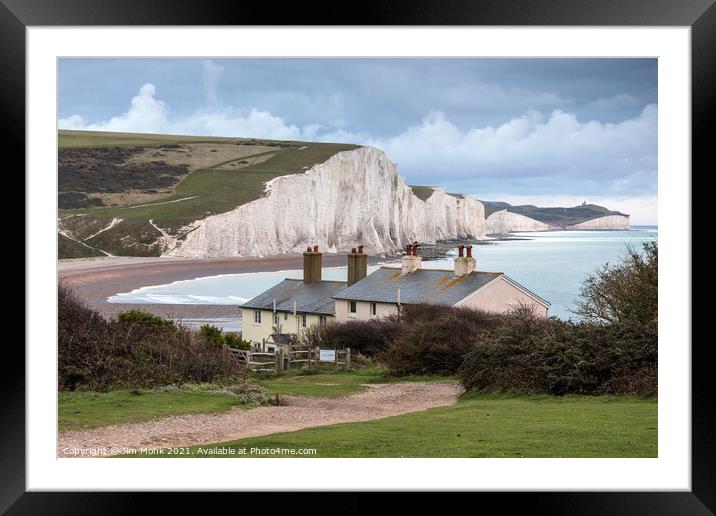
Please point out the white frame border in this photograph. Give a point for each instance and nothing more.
(671, 471)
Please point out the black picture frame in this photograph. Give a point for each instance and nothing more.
(700, 15)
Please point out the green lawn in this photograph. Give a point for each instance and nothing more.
(326, 385)
(337, 384)
(488, 426)
(91, 409)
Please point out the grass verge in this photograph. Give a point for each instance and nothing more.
(482, 426)
(77, 410)
(332, 384)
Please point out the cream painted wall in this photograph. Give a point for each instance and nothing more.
(500, 296)
(362, 310)
(257, 333)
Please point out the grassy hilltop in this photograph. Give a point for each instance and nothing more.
(558, 217)
(168, 180)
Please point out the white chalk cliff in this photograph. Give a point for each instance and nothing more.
(503, 222)
(355, 197)
(608, 222)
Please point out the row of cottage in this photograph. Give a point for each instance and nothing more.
(294, 305)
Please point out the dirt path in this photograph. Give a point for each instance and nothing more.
(294, 413)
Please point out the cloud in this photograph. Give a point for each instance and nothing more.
(534, 153)
(617, 102)
(151, 115)
(557, 150)
(211, 74)
(146, 114)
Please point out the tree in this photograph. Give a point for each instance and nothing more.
(626, 292)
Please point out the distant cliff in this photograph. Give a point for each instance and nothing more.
(609, 222)
(355, 196)
(534, 218)
(503, 222)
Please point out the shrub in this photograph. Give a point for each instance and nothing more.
(234, 341)
(370, 338)
(434, 339)
(558, 357)
(212, 335)
(142, 317)
(98, 354)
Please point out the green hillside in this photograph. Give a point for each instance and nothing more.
(168, 180)
(422, 192)
(559, 217)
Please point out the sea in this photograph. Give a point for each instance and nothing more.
(552, 264)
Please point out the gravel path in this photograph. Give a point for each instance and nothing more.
(294, 413)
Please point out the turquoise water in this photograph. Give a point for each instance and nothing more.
(552, 264)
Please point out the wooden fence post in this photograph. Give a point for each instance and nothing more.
(348, 358)
(226, 353)
(279, 360)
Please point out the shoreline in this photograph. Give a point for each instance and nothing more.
(96, 279)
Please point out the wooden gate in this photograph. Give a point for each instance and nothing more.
(296, 356)
(305, 356)
(253, 360)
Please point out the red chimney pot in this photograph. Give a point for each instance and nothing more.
(315, 248)
(308, 249)
(360, 249)
(469, 251)
(461, 250)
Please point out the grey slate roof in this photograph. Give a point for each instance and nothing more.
(280, 338)
(439, 287)
(314, 298)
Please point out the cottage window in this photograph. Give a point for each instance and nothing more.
(257, 316)
(303, 320)
(353, 308)
(322, 320)
(285, 316)
(275, 319)
(373, 308)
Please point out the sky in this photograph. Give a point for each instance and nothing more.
(550, 132)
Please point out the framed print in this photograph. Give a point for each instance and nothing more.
(417, 253)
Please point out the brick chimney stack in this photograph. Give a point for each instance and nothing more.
(357, 265)
(312, 265)
(411, 261)
(464, 264)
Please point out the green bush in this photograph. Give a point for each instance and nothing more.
(234, 341)
(369, 338)
(95, 353)
(212, 335)
(433, 340)
(558, 357)
(142, 317)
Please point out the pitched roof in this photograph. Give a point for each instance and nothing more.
(316, 298)
(431, 286)
(280, 338)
